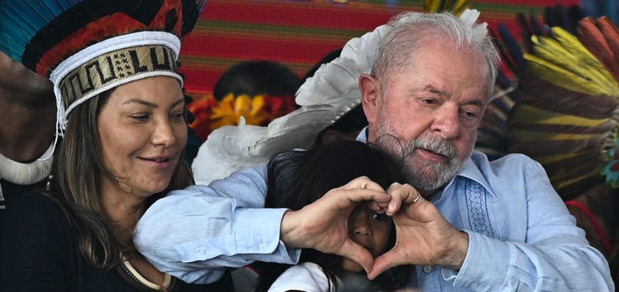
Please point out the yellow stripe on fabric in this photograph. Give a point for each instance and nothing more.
(527, 114)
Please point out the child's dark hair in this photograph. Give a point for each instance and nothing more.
(298, 178)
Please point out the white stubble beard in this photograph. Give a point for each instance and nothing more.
(426, 176)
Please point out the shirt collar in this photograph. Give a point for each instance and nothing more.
(471, 170)
(363, 136)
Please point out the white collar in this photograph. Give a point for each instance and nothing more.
(26, 173)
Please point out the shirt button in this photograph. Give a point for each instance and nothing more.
(427, 269)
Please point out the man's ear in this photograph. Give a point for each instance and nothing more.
(370, 93)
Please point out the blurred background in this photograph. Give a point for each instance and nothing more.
(298, 34)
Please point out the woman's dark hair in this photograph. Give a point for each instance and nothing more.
(298, 178)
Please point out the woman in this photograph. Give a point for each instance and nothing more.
(121, 110)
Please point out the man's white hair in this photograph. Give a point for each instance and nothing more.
(411, 31)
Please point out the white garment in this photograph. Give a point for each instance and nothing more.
(26, 173)
(306, 276)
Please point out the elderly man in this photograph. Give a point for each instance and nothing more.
(27, 119)
(466, 223)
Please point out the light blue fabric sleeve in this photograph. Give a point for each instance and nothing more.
(194, 233)
(554, 257)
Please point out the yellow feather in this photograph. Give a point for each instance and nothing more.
(534, 115)
(562, 77)
(461, 6)
(581, 65)
(534, 136)
(546, 159)
(585, 59)
(431, 6)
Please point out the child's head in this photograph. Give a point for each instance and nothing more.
(298, 178)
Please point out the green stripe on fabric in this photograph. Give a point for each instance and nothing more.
(485, 8)
(278, 30)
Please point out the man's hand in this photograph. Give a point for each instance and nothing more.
(423, 235)
(323, 225)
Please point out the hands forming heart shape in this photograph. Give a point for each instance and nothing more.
(423, 235)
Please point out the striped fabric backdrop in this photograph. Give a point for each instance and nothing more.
(299, 33)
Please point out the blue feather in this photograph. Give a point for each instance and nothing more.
(63, 4)
(43, 14)
(10, 47)
(26, 18)
(53, 8)
(22, 20)
(17, 26)
(537, 28)
(12, 27)
(512, 45)
(502, 79)
(610, 7)
(74, 2)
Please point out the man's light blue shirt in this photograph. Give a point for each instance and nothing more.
(521, 235)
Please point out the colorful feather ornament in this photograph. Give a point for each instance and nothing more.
(602, 39)
(566, 101)
(565, 117)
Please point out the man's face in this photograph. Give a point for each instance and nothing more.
(428, 114)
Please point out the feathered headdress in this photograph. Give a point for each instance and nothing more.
(324, 98)
(565, 113)
(87, 47)
(566, 104)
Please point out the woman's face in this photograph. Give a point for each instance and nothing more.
(369, 229)
(143, 133)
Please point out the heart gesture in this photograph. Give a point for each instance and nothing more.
(323, 225)
(423, 235)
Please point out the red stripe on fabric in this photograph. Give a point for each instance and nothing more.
(301, 14)
(220, 46)
(260, 48)
(599, 228)
(200, 81)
